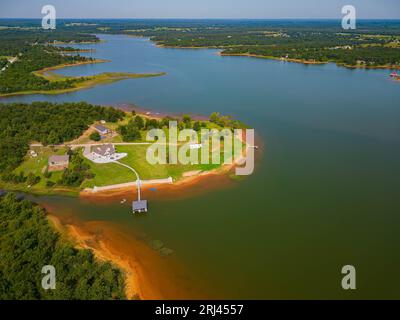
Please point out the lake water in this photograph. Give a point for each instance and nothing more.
(325, 192)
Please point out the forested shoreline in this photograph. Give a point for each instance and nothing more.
(28, 243)
(373, 44)
(29, 52)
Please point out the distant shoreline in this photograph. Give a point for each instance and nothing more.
(86, 83)
(302, 61)
(307, 62)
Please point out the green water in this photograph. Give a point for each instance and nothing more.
(325, 192)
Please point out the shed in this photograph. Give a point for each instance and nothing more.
(101, 129)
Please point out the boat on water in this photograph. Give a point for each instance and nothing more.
(394, 75)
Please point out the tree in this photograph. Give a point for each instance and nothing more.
(197, 126)
(139, 122)
(132, 133)
(32, 179)
(186, 118)
(44, 122)
(95, 136)
(214, 117)
(152, 124)
(28, 242)
(46, 173)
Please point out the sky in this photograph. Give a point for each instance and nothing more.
(252, 9)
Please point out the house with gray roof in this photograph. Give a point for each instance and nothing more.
(58, 163)
(101, 129)
(104, 150)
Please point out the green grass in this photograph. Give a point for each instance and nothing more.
(37, 166)
(107, 174)
(83, 83)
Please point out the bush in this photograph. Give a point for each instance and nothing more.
(130, 132)
(196, 126)
(32, 179)
(95, 136)
(50, 183)
(47, 174)
(139, 122)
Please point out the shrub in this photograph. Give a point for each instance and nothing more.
(95, 136)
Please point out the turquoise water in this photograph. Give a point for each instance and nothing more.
(325, 192)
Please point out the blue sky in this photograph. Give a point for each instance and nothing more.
(259, 9)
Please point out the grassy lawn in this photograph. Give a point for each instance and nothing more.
(108, 174)
(111, 173)
(37, 166)
(137, 159)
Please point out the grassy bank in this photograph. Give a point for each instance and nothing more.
(80, 82)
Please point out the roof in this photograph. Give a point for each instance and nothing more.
(101, 128)
(104, 149)
(139, 205)
(57, 159)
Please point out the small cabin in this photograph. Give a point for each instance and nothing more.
(58, 163)
(101, 129)
(139, 206)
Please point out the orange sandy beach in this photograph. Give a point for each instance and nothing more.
(149, 276)
(184, 188)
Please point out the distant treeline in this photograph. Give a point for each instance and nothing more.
(18, 76)
(373, 43)
(48, 123)
(29, 47)
(15, 38)
(28, 243)
(136, 128)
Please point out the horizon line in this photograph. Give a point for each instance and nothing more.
(259, 19)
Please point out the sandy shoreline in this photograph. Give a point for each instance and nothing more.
(85, 237)
(148, 275)
(186, 187)
(189, 182)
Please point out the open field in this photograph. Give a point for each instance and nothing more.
(112, 173)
